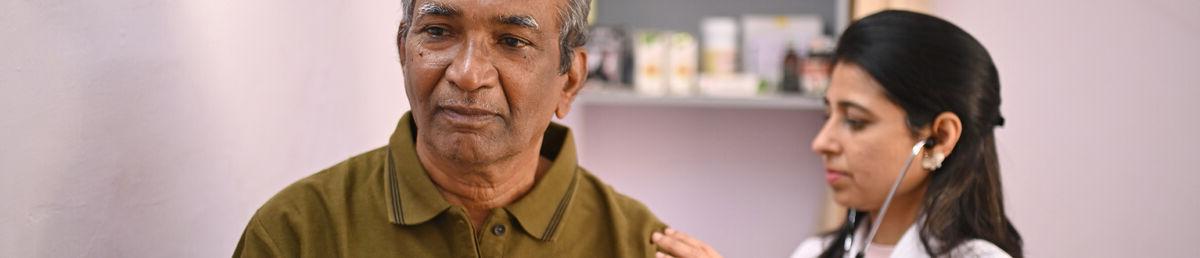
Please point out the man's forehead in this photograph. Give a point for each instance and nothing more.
(536, 9)
(436, 8)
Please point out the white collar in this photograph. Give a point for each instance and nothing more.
(908, 246)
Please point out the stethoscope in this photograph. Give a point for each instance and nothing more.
(851, 221)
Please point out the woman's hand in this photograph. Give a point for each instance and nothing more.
(679, 245)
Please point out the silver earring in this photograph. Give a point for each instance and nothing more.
(933, 162)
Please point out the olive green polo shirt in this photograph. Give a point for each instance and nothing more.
(383, 204)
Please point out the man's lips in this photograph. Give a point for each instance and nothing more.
(467, 110)
(471, 116)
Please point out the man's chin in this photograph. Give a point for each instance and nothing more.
(468, 149)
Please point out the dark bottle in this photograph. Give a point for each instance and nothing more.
(791, 71)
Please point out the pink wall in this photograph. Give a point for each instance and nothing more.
(139, 128)
(1098, 155)
(742, 179)
(135, 128)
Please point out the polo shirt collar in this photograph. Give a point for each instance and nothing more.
(541, 211)
(414, 199)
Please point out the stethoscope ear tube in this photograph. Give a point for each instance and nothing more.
(848, 244)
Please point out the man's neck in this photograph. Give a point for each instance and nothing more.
(481, 188)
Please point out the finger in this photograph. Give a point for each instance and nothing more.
(662, 255)
(686, 239)
(699, 247)
(673, 246)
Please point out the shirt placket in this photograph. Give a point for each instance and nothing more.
(496, 230)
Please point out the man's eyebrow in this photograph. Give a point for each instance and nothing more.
(519, 20)
(437, 9)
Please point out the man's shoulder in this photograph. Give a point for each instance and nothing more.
(314, 210)
(623, 207)
(324, 188)
(598, 209)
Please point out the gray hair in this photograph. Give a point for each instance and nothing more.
(573, 33)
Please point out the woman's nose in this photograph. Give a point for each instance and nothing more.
(824, 143)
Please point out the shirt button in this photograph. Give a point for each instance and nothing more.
(498, 230)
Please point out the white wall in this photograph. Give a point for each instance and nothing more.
(1100, 99)
(140, 128)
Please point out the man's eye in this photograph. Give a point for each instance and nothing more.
(513, 42)
(436, 31)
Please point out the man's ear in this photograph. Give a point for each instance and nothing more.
(401, 34)
(946, 130)
(576, 76)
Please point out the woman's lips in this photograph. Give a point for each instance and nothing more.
(832, 176)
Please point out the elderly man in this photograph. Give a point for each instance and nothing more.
(476, 169)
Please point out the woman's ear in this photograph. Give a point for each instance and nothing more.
(946, 130)
(576, 75)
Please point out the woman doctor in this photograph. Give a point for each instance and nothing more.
(914, 98)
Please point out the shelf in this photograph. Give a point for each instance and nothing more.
(597, 95)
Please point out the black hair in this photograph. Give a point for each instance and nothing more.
(929, 66)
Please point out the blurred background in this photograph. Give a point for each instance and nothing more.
(134, 128)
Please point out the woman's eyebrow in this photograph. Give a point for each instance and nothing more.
(846, 104)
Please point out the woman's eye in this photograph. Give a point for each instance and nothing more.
(513, 42)
(855, 124)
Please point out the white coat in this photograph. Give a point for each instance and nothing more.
(909, 246)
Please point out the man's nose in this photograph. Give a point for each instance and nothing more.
(472, 68)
